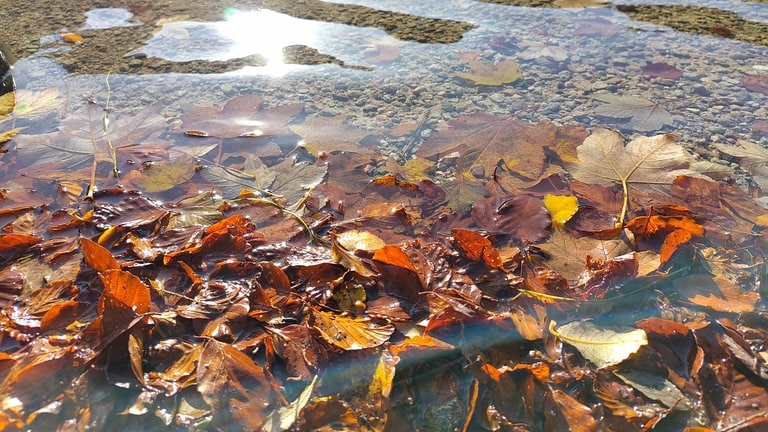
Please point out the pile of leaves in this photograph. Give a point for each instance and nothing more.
(229, 279)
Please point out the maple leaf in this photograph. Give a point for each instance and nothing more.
(643, 114)
(604, 160)
(482, 141)
(490, 73)
(241, 116)
(752, 156)
(539, 50)
(329, 134)
(289, 178)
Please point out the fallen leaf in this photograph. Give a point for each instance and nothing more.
(476, 247)
(561, 207)
(350, 333)
(603, 346)
(755, 83)
(604, 160)
(716, 293)
(657, 388)
(643, 114)
(165, 175)
(71, 38)
(241, 116)
(382, 53)
(540, 50)
(330, 134)
(492, 73)
(751, 156)
(522, 217)
(662, 70)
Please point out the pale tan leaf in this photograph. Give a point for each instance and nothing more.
(351, 333)
(644, 115)
(603, 346)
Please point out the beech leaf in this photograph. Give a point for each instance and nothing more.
(643, 114)
(603, 346)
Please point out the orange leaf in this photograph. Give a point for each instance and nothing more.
(350, 333)
(98, 257)
(476, 247)
(716, 293)
(125, 296)
(395, 256)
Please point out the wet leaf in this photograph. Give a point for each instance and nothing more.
(643, 114)
(98, 257)
(657, 388)
(350, 333)
(163, 176)
(578, 417)
(233, 384)
(241, 116)
(483, 141)
(752, 156)
(521, 217)
(604, 160)
(492, 73)
(329, 134)
(716, 293)
(538, 50)
(282, 419)
(476, 247)
(124, 298)
(561, 207)
(755, 83)
(662, 70)
(603, 346)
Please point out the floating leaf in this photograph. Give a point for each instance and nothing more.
(643, 114)
(561, 207)
(163, 176)
(603, 346)
(490, 73)
(476, 247)
(350, 333)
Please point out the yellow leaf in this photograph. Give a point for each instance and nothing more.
(350, 333)
(602, 346)
(355, 240)
(561, 207)
(163, 176)
(492, 74)
(8, 135)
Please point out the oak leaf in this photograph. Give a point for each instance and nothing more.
(643, 114)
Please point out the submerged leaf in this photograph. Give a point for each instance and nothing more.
(603, 346)
(491, 73)
(643, 114)
(351, 333)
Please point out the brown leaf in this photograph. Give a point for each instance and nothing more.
(755, 83)
(662, 70)
(233, 385)
(331, 134)
(483, 141)
(124, 298)
(522, 217)
(716, 293)
(241, 116)
(350, 333)
(476, 247)
(577, 416)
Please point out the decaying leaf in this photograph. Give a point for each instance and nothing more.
(643, 114)
(329, 134)
(603, 346)
(490, 73)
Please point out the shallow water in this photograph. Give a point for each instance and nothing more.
(392, 66)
